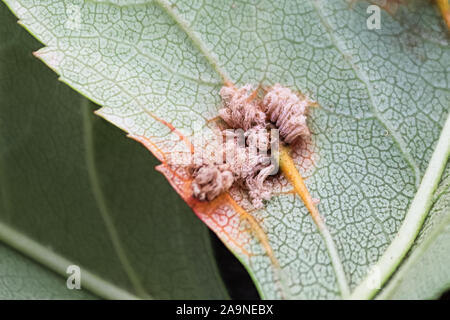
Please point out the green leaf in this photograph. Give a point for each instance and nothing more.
(426, 273)
(383, 95)
(74, 190)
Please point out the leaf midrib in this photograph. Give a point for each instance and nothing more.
(397, 139)
(197, 42)
(389, 290)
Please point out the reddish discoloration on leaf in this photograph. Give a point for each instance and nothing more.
(219, 214)
(174, 130)
(223, 215)
(157, 152)
(229, 214)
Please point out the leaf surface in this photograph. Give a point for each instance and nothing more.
(156, 68)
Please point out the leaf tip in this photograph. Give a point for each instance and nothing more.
(99, 113)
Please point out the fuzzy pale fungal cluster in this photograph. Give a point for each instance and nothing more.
(211, 180)
(239, 110)
(279, 108)
(288, 112)
(244, 167)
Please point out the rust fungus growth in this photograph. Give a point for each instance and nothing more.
(243, 167)
(211, 180)
(240, 110)
(288, 112)
(279, 116)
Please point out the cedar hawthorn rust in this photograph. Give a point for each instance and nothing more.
(254, 159)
